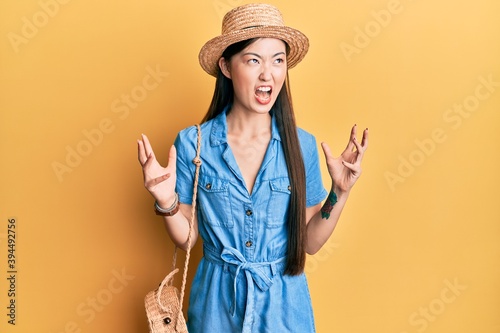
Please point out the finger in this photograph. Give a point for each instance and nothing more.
(327, 152)
(355, 168)
(350, 144)
(364, 140)
(172, 157)
(141, 154)
(149, 160)
(358, 146)
(147, 145)
(360, 151)
(155, 181)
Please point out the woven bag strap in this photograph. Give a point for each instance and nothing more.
(197, 162)
(170, 277)
(174, 265)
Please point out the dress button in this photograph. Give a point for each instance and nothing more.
(208, 186)
(249, 212)
(248, 243)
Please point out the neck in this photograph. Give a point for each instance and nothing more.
(248, 124)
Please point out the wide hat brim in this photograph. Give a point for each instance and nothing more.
(212, 51)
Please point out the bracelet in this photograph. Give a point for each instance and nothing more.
(170, 211)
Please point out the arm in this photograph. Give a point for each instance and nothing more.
(344, 172)
(178, 227)
(160, 182)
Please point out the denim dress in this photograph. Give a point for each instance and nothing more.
(239, 285)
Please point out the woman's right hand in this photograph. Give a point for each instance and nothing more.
(159, 181)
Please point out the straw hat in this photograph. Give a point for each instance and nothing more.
(252, 21)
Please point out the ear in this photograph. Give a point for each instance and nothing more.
(224, 67)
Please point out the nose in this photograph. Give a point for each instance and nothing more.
(265, 74)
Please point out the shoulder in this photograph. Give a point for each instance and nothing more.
(186, 141)
(303, 133)
(186, 138)
(189, 135)
(306, 139)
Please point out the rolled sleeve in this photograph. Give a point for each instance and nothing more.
(185, 144)
(315, 190)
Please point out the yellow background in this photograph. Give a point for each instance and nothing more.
(418, 245)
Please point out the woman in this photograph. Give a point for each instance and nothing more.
(260, 190)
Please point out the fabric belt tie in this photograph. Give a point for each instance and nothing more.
(255, 273)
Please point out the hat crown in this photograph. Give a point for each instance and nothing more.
(252, 15)
(253, 21)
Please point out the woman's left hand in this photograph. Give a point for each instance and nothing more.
(346, 168)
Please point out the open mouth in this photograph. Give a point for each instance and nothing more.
(263, 94)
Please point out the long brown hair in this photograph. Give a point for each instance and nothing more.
(282, 110)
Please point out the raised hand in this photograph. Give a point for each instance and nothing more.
(346, 169)
(159, 181)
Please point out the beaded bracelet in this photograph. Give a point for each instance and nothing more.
(170, 211)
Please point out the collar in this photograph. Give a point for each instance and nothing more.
(218, 135)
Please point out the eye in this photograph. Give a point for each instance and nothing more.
(253, 61)
(279, 60)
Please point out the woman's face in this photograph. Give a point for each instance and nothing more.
(258, 73)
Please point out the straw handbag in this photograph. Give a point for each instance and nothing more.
(164, 305)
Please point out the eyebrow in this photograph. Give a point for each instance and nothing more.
(258, 56)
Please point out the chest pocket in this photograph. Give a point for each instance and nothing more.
(277, 209)
(215, 201)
